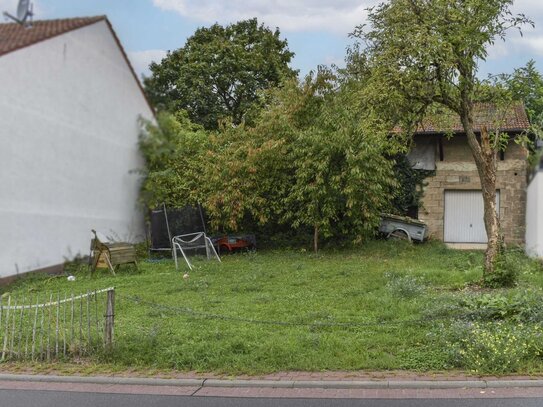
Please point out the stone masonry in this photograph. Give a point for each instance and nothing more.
(457, 171)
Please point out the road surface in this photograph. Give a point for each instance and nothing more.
(54, 398)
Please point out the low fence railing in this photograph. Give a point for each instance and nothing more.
(64, 326)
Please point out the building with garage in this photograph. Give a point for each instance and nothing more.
(69, 114)
(452, 204)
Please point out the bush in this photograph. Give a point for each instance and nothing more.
(524, 306)
(404, 286)
(509, 265)
(498, 347)
(506, 272)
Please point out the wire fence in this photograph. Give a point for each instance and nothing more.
(189, 312)
(65, 325)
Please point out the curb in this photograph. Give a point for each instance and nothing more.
(295, 384)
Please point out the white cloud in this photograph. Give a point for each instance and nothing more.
(533, 44)
(140, 60)
(529, 43)
(499, 49)
(339, 16)
(530, 8)
(531, 40)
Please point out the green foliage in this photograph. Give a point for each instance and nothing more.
(521, 306)
(492, 306)
(410, 185)
(219, 72)
(426, 53)
(220, 319)
(404, 286)
(173, 151)
(309, 161)
(498, 347)
(506, 272)
(317, 163)
(526, 84)
(341, 177)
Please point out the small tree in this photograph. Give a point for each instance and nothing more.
(173, 150)
(335, 175)
(427, 52)
(219, 72)
(310, 160)
(526, 84)
(343, 179)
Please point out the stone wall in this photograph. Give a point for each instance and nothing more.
(458, 171)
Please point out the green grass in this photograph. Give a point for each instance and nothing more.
(376, 307)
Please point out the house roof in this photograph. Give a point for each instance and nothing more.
(14, 36)
(512, 118)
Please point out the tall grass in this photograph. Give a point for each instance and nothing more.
(367, 307)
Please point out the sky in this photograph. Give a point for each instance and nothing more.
(316, 30)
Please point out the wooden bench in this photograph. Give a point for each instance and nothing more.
(113, 253)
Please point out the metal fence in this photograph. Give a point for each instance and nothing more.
(64, 326)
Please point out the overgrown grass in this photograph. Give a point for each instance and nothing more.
(386, 305)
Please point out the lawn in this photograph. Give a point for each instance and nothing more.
(385, 305)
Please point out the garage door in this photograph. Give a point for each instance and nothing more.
(464, 213)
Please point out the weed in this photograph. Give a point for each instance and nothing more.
(498, 347)
(276, 310)
(407, 286)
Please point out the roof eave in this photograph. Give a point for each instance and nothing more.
(515, 130)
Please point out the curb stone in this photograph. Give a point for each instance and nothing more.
(257, 383)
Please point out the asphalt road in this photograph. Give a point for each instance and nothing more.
(37, 398)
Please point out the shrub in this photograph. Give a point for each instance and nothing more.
(404, 286)
(487, 307)
(520, 306)
(506, 272)
(509, 265)
(498, 347)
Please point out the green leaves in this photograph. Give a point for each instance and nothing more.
(172, 151)
(311, 160)
(426, 51)
(219, 72)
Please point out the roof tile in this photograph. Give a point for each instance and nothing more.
(512, 118)
(14, 36)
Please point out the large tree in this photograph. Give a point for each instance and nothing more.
(311, 161)
(220, 72)
(426, 52)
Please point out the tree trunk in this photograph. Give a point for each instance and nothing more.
(485, 160)
(488, 184)
(316, 239)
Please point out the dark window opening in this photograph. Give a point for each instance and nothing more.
(413, 211)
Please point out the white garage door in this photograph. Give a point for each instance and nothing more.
(464, 213)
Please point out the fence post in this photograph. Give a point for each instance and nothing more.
(110, 319)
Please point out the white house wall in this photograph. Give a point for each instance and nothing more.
(534, 216)
(68, 144)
